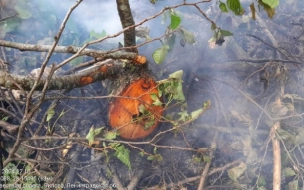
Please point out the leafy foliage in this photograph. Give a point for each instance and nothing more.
(110, 135)
(235, 6)
(223, 7)
(271, 3)
(50, 114)
(299, 139)
(156, 157)
(188, 36)
(219, 34)
(146, 116)
(175, 21)
(289, 172)
(270, 11)
(174, 28)
(22, 11)
(92, 134)
(160, 54)
(172, 87)
(96, 35)
(236, 172)
(156, 100)
(122, 153)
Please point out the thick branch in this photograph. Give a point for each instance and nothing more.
(105, 71)
(127, 20)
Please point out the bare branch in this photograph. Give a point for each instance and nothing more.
(12, 129)
(30, 112)
(3, 19)
(68, 49)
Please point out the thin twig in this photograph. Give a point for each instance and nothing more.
(29, 113)
(3, 19)
(207, 166)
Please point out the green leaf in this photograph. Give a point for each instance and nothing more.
(287, 137)
(262, 181)
(160, 54)
(197, 159)
(293, 185)
(223, 7)
(188, 36)
(23, 11)
(270, 11)
(180, 94)
(236, 172)
(5, 118)
(207, 104)
(156, 157)
(184, 116)
(151, 157)
(175, 21)
(92, 134)
(149, 123)
(156, 100)
(272, 3)
(235, 7)
(195, 114)
(114, 145)
(225, 33)
(213, 25)
(206, 159)
(96, 35)
(50, 114)
(289, 172)
(177, 74)
(300, 137)
(213, 39)
(142, 109)
(153, 1)
(98, 131)
(155, 150)
(110, 135)
(62, 113)
(123, 154)
(173, 88)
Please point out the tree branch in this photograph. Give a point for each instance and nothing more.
(68, 49)
(102, 72)
(126, 19)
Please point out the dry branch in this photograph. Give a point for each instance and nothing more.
(68, 49)
(29, 112)
(102, 72)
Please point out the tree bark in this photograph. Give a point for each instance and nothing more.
(102, 72)
(68, 49)
(127, 20)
